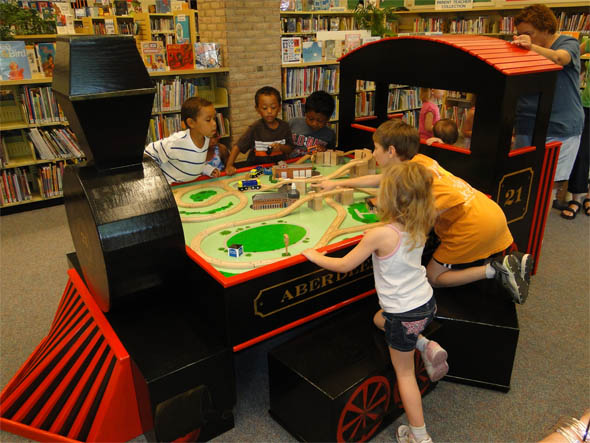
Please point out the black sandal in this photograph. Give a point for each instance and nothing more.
(586, 205)
(574, 211)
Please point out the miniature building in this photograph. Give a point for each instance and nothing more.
(328, 158)
(275, 200)
(316, 203)
(292, 171)
(235, 250)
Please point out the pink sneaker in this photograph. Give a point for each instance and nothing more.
(435, 361)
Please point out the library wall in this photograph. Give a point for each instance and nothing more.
(254, 55)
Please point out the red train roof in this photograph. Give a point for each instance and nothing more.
(500, 54)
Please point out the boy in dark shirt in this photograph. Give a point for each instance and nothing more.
(311, 133)
(267, 139)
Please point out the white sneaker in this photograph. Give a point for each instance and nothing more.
(435, 361)
(404, 435)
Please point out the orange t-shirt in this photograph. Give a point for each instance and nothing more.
(470, 225)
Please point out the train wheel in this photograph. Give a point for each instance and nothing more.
(363, 413)
(256, 187)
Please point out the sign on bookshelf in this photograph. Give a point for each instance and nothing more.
(444, 5)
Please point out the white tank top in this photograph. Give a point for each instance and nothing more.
(400, 278)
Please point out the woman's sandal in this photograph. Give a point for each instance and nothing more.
(574, 211)
(586, 205)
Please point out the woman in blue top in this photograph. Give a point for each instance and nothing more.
(537, 31)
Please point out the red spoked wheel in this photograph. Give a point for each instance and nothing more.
(364, 411)
(421, 377)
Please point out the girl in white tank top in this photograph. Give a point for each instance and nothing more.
(406, 208)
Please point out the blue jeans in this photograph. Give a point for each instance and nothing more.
(402, 329)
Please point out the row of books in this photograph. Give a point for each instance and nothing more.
(303, 81)
(296, 108)
(298, 50)
(317, 5)
(50, 179)
(428, 24)
(54, 143)
(180, 56)
(574, 22)
(364, 104)
(40, 106)
(15, 186)
(403, 99)
(19, 61)
(314, 24)
(171, 93)
(479, 25)
(162, 126)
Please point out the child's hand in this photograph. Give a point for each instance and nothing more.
(319, 148)
(312, 254)
(326, 185)
(230, 170)
(216, 173)
(523, 40)
(276, 148)
(432, 140)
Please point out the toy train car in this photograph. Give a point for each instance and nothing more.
(255, 172)
(244, 185)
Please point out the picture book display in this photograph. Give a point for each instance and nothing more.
(182, 29)
(312, 52)
(153, 55)
(46, 55)
(180, 56)
(291, 49)
(207, 55)
(14, 63)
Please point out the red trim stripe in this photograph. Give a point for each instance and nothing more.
(301, 321)
(521, 151)
(447, 147)
(363, 127)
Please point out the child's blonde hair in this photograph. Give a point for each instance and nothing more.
(405, 197)
(425, 94)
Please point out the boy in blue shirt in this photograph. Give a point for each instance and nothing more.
(310, 132)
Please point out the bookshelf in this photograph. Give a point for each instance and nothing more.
(299, 80)
(36, 144)
(173, 87)
(486, 18)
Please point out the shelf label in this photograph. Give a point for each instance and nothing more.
(453, 4)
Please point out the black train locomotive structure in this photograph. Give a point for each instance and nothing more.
(143, 338)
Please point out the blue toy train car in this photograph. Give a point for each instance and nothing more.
(244, 185)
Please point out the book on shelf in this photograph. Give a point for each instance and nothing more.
(180, 56)
(153, 55)
(163, 6)
(46, 55)
(109, 26)
(121, 7)
(64, 16)
(351, 42)
(14, 63)
(15, 186)
(182, 28)
(312, 52)
(34, 64)
(177, 5)
(291, 50)
(207, 55)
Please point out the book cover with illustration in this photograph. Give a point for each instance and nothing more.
(312, 52)
(153, 55)
(180, 56)
(291, 49)
(182, 29)
(46, 54)
(14, 63)
(207, 55)
(162, 6)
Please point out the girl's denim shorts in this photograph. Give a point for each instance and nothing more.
(402, 329)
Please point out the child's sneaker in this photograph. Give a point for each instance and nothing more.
(435, 361)
(526, 265)
(404, 435)
(508, 271)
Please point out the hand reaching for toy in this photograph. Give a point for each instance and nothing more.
(325, 185)
(215, 173)
(230, 170)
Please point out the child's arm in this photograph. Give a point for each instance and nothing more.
(429, 122)
(432, 140)
(229, 167)
(364, 181)
(284, 149)
(372, 241)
